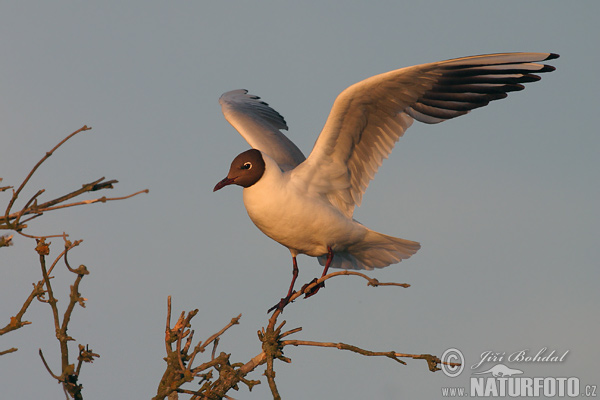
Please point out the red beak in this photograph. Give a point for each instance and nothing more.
(223, 183)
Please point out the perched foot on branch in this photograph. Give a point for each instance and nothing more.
(312, 291)
(282, 303)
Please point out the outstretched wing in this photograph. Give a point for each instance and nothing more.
(369, 117)
(260, 125)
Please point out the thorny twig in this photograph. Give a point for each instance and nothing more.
(17, 322)
(6, 240)
(11, 350)
(16, 221)
(180, 364)
(36, 166)
(12, 220)
(7, 219)
(180, 369)
(69, 375)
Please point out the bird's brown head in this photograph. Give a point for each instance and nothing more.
(246, 169)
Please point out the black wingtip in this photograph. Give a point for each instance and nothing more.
(547, 68)
(552, 56)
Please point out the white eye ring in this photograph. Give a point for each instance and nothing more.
(247, 165)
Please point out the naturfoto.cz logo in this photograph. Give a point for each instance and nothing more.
(501, 380)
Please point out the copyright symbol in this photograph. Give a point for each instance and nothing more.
(452, 356)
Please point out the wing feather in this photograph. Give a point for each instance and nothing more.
(369, 117)
(261, 126)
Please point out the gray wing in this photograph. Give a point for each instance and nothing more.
(369, 117)
(260, 125)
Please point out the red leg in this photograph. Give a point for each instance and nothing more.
(284, 301)
(314, 290)
(294, 276)
(329, 260)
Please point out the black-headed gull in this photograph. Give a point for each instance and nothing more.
(306, 204)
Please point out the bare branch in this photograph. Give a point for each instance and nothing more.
(11, 350)
(62, 235)
(32, 200)
(46, 156)
(180, 365)
(371, 281)
(85, 355)
(13, 220)
(343, 346)
(6, 240)
(180, 369)
(47, 367)
(69, 374)
(234, 321)
(91, 201)
(17, 221)
(16, 322)
(4, 188)
(31, 207)
(43, 250)
(68, 246)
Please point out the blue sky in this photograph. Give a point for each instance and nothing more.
(503, 200)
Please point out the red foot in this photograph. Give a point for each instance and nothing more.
(286, 300)
(312, 291)
(282, 303)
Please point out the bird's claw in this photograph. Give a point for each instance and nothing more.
(282, 303)
(312, 291)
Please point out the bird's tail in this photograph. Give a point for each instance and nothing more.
(376, 250)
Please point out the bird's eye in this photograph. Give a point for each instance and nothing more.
(247, 165)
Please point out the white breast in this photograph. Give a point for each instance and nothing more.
(303, 223)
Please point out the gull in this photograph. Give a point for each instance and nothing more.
(307, 203)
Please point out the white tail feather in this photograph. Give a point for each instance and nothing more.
(376, 250)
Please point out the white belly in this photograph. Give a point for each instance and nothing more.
(303, 224)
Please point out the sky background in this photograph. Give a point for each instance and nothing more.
(504, 200)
